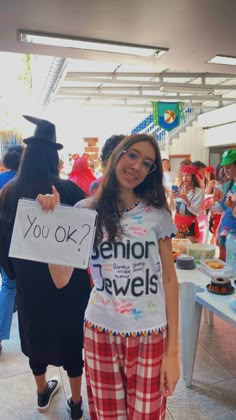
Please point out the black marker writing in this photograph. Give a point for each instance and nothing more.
(86, 234)
(31, 224)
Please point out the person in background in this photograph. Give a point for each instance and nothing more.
(91, 165)
(80, 174)
(61, 165)
(168, 175)
(131, 322)
(203, 211)
(216, 209)
(107, 149)
(185, 162)
(186, 203)
(231, 202)
(209, 188)
(228, 220)
(200, 173)
(11, 161)
(50, 317)
(209, 179)
(2, 167)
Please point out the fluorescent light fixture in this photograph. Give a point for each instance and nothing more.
(89, 44)
(185, 89)
(223, 59)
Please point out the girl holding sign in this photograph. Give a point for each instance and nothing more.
(50, 318)
(131, 321)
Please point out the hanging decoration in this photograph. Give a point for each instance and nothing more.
(167, 114)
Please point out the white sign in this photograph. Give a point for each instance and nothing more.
(64, 236)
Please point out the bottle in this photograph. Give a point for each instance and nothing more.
(229, 245)
(222, 240)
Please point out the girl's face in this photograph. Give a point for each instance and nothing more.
(135, 164)
(187, 179)
(230, 171)
(165, 165)
(201, 171)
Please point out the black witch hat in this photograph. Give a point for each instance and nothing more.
(45, 133)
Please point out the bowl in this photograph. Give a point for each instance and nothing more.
(201, 251)
(185, 262)
(180, 245)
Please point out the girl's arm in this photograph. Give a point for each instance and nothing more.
(210, 187)
(195, 203)
(60, 274)
(217, 194)
(170, 371)
(171, 201)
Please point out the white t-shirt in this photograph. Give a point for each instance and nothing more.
(196, 198)
(128, 295)
(168, 179)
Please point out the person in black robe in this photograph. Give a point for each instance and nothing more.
(50, 319)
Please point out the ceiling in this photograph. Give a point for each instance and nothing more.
(193, 31)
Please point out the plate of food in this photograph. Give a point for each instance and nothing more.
(215, 267)
(180, 245)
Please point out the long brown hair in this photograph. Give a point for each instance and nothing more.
(107, 200)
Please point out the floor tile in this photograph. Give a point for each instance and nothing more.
(207, 371)
(18, 400)
(221, 344)
(168, 415)
(12, 361)
(218, 324)
(215, 402)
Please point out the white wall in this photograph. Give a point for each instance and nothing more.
(220, 126)
(219, 116)
(222, 135)
(189, 142)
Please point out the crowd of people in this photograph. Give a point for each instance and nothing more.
(200, 191)
(123, 310)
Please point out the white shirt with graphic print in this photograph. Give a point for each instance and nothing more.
(128, 295)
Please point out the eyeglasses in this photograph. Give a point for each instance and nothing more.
(147, 165)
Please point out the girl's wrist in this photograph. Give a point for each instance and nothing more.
(172, 353)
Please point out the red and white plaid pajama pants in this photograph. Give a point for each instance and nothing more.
(123, 376)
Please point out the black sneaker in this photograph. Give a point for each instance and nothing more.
(76, 410)
(45, 397)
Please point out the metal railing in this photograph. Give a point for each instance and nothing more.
(147, 126)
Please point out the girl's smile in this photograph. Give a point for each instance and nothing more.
(135, 164)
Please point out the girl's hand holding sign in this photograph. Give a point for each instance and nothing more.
(49, 201)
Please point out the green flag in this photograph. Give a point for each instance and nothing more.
(167, 114)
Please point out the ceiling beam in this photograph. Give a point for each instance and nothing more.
(147, 83)
(112, 81)
(149, 75)
(157, 86)
(97, 102)
(198, 86)
(75, 92)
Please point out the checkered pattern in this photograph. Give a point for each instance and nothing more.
(123, 376)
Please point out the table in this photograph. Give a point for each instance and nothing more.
(193, 297)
